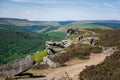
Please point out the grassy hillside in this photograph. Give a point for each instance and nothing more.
(111, 25)
(110, 68)
(16, 22)
(87, 25)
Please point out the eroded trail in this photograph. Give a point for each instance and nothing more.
(74, 70)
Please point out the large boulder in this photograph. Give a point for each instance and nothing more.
(16, 67)
(55, 43)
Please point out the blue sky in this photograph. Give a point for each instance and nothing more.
(51, 10)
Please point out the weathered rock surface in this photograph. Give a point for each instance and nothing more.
(52, 64)
(16, 67)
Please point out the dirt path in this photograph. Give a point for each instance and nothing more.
(74, 70)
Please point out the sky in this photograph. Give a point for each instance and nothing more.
(59, 10)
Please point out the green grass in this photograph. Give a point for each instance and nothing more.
(73, 37)
(39, 56)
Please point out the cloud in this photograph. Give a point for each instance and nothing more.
(41, 1)
(46, 1)
(36, 1)
(59, 9)
(56, 2)
(109, 5)
(57, 14)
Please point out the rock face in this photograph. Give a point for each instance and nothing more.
(16, 67)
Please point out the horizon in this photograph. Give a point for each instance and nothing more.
(59, 20)
(60, 10)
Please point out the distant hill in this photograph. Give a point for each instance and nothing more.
(25, 22)
(96, 24)
(44, 26)
(16, 22)
(26, 25)
(111, 25)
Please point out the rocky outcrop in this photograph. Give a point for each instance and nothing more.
(16, 67)
(72, 31)
(56, 50)
(53, 47)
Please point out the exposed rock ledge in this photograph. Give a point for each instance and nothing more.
(16, 67)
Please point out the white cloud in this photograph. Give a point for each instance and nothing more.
(34, 1)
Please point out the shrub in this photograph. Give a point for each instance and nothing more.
(108, 37)
(73, 36)
(80, 51)
(39, 56)
(108, 70)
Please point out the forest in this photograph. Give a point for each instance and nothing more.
(16, 44)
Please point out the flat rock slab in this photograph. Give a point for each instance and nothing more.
(16, 67)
